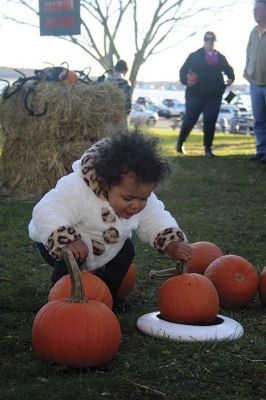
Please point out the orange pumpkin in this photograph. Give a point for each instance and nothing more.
(236, 280)
(128, 283)
(94, 288)
(262, 286)
(76, 332)
(68, 78)
(203, 253)
(188, 299)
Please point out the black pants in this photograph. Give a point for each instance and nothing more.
(194, 107)
(111, 273)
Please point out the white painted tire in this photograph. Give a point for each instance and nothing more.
(152, 325)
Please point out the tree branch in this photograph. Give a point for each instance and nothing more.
(102, 22)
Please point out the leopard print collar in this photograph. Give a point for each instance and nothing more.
(89, 175)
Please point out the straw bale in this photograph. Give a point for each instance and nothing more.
(37, 151)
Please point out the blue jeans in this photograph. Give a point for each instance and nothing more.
(194, 107)
(258, 102)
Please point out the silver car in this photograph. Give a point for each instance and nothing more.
(139, 115)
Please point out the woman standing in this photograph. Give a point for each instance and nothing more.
(203, 74)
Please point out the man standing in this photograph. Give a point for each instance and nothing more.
(255, 73)
(118, 77)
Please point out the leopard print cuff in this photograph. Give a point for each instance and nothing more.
(165, 237)
(60, 238)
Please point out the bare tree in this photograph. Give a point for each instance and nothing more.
(103, 21)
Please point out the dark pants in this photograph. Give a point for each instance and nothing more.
(112, 273)
(194, 107)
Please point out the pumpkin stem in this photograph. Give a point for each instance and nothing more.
(180, 269)
(77, 289)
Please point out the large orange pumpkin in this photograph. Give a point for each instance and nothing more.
(76, 332)
(94, 288)
(236, 280)
(188, 299)
(203, 253)
(128, 283)
(262, 286)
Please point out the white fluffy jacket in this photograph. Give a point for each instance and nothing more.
(77, 208)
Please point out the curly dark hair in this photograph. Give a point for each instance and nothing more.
(131, 151)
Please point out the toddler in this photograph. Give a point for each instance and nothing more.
(94, 210)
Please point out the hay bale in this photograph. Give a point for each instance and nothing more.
(37, 151)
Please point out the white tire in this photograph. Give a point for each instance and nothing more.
(226, 329)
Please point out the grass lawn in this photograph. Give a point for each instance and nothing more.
(221, 200)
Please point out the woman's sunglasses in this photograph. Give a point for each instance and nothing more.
(209, 39)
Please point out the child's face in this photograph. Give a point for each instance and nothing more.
(129, 197)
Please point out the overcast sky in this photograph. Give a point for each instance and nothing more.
(22, 46)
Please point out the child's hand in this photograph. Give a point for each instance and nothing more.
(79, 249)
(179, 251)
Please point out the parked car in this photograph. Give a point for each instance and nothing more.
(153, 107)
(232, 118)
(172, 108)
(222, 123)
(235, 119)
(144, 100)
(163, 111)
(225, 115)
(241, 123)
(139, 115)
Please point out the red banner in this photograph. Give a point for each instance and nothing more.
(59, 17)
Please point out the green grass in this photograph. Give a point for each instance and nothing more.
(221, 200)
